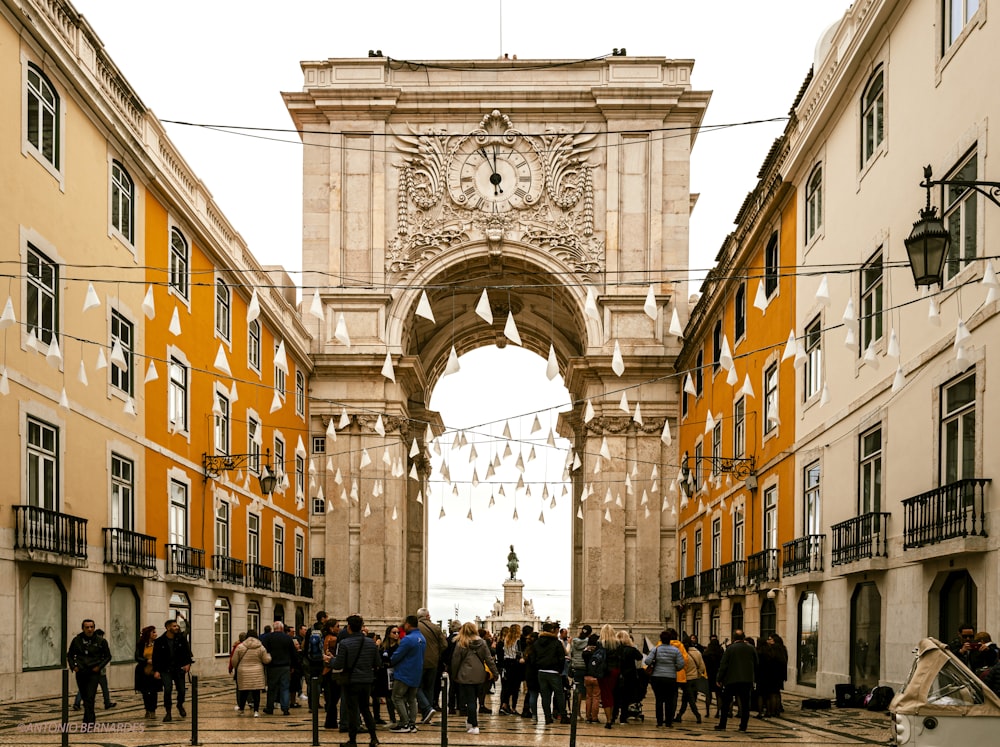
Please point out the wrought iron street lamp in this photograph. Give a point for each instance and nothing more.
(216, 464)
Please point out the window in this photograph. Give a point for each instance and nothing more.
(222, 309)
(253, 345)
(279, 547)
(43, 624)
(736, 618)
(871, 301)
(122, 333)
(740, 312)
(697, 551)
(300, 554)
(870, 472)
(739, 544)
(222, 529)
(319, 566)
(716, 542)
(872, 116)
(957, 604)
(222, 424)
(122, 493)
(42, 295)
(319, 506)
(43, 116)
(699, 455)
(122, 201)
(177, 396)
(43, 465)
(253, 615)
(811, 509)
(124, 631)
(178, 516)
(319, 444)
(771, 266)
(253, 539)
(684, 404)
(739, 427)
(300, 393)
(960, 217)
(717, 450)
(715, 621)
(179, 263)
(300, 476)
(771, 418)
(223, 618)
(957, 14)
(279, 456)
(768, 619)
(958, 430)
(716, 345)
(279, 379)
(253, 444)
(684, 556)
(180, 610)
(771, 518)
(812, 378)
(808, 648)
(814, 202)
(699, 373)
(866, 635)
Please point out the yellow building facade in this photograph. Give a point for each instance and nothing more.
(151, 371)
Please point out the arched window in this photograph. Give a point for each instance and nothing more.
(122, 202)
(124, 630)
(737, 616)
(808, 640)
(699, 373)
(43, 116)
(768, 619)
(957, 604)
(253, 615)
(180, 610)
(740, 312)
(716, 345)
(223, 616)
(714, 621)
(279, 612)
(872, 116)
(43, 624)
(866, 635)
(771, 266)
(814, 202)
(179, 260)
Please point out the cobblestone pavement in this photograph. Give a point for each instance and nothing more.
(38, 723)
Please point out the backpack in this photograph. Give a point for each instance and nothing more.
(314, 647)
(598, 664)
(879, 698)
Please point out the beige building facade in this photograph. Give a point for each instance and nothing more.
(553, 187)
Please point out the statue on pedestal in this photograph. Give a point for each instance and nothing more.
(512, 563)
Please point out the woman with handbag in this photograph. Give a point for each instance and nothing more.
(145, 682)
(694, 670)
(248, 663)
(628, 678)
(471, 665)
(663, 663)
(513, 669)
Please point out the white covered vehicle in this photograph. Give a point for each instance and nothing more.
(943, 703)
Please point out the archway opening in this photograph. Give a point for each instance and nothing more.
(499, 478)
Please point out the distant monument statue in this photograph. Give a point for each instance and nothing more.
(512, 563)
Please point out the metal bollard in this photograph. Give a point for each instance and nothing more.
(574, 717)
(194, 710)
(444, 709)
(314, 702)
(65, 708)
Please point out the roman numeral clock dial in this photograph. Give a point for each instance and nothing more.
(494, 175)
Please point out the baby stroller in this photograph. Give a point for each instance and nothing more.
(634, 709)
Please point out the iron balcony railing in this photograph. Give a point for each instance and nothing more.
(128, 548)
(733, 576)
(38, 528)
(762, 567)
(710, 582)
(185, 561)
(305, 586)
(259, 576)
(954, 510)
(227, 570)
(285, 582)
(803, 555)
(691, 586)
(675, 591)
(864, 536)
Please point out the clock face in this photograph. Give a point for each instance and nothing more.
(495, 177)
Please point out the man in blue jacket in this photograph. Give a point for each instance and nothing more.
(407, 671)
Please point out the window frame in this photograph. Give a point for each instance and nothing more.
(699, 373)
(300, 394)
(812, 371)
(769, 524)
(254, 344)
(716, 346)
(222, 626)
(872, 104)
(812, 497)
(698, 550)
(37, 452)
(871, 327)
(253, 446)
(300, 553)
(253, 538)
(52, 120)
(771, 401)
(223, 310)
(740, 312)
(123, 380)
(278, 558)
(739, 427)
(716, 542)
(178, 509)
(961, 206)
(739, 534)
(717, 449)
(279, 457)
(814, 203)
(222, 432)
(41, 295)
(772, 265)
(122, 203)
(950, 35)
(178, 394)
(180, 265)
(965, 467)
(121, 501)
(300, 475)
(222, 529)
(870, 471)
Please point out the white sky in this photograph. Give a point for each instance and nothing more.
(227, 62)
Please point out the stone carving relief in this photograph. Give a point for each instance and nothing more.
(604, 425)
(493, 184)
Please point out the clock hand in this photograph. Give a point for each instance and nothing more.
(495, 178)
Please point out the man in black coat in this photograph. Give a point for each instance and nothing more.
(171, 663)
(88, 654)
(357, 656)
(737, 673)
(281, 646)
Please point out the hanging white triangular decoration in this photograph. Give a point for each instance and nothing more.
(483, 308)
(709, 423)
(316, 307)
(870, 356)
(276, 402)
(789, 346)
(117, 355)
(253, 308)
(552, 365)
(800, 355)
(579, 512)
(849, 316)
(624, 405)
(63, 399)
(605, 450)
(510, 329)
(365, 459)
(637, 416)
(54, 356)
(101, 360)
(665, 436)
(31, 342)
(617, 363)
(541, 516)
(675, 324)
(732, 378)
(380, 426)
(4, 382)
(726, 355)
(588, 412)
(81, 375)
(899, 380)
(92, 300)
(961, 334)
(340, 333)
(129, 408)
(650, 306)
(747, 388)
(233, 394)
(824, 397)
(424, 307)
(7, 318)
(345, 419)
(823, 292)
(893, 348)
(148, 305)
(590, 306)
(760, 298)
(221, 361)
(453, 365)
(151, 374)
(387, 370)
(933, 313)
(689, 385)
(281, 358)
(368, 509)
(607, 515)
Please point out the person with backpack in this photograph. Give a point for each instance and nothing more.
(593, 670)
(357, 658)
(471, 665)
(663, 663)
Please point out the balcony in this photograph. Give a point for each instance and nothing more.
(305, 586)
(39, 529)
(259, 576)
(123, 547)
(863, 537)
(733, 576)
(185, 561)
(227, 570)
(762, 567)
(952, 511)
(710, 582)
(675, 591)
(285, 582)
(691, 586)
(803, 555)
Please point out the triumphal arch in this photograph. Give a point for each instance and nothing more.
(562, 189)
